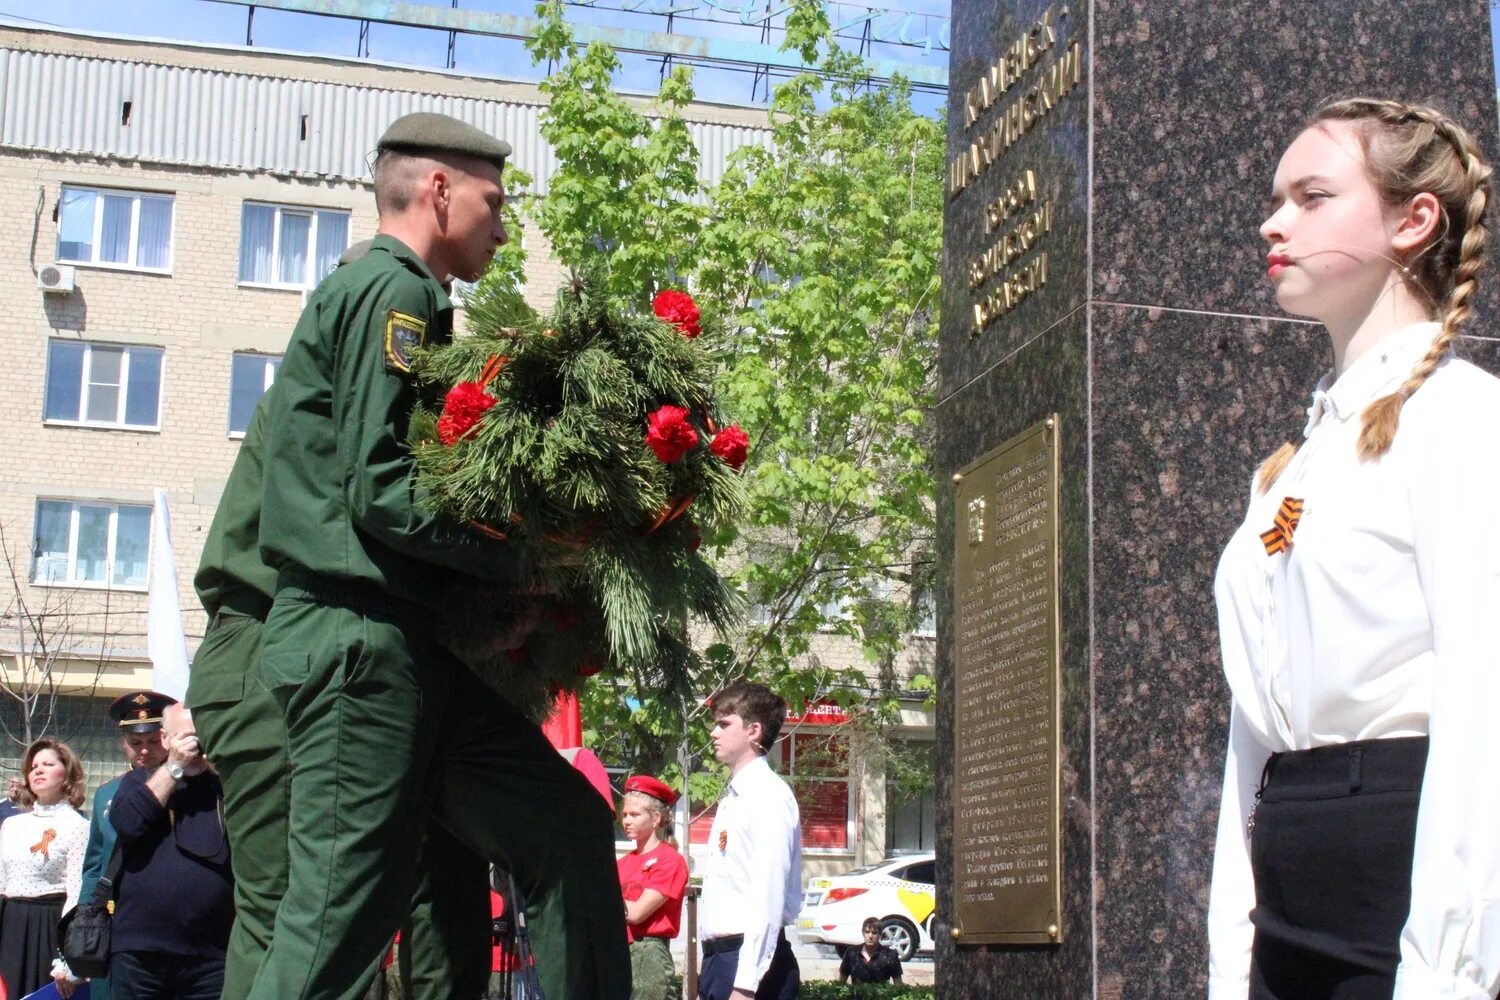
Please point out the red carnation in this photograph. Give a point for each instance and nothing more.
(679, 309)
(462, 408)
(669, 433)
(732, 445)
(588, 668)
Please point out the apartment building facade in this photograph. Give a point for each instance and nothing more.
(167, 206)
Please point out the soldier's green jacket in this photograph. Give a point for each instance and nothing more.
(231, 575)
(343, 507)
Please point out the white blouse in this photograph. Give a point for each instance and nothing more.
(41, 852)
(1381, 620)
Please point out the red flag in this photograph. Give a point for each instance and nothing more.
(564, 727)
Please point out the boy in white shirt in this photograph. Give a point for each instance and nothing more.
(752, 883)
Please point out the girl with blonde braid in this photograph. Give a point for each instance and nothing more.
(1358, 853)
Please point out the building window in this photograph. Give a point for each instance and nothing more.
(816, 765)
(115, 228)
(250, 375)
(287, 247)
(103, 385)
(925, 605)
(91, 544)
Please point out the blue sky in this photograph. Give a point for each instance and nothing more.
(204, 21)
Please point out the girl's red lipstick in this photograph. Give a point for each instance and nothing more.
(1275, 262)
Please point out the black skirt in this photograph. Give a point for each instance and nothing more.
(28, 941)
(1331, 849)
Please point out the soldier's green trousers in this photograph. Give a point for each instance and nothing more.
(241, 729)
(385, 730)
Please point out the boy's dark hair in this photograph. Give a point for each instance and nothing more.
(752, 703)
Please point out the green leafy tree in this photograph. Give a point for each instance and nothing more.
(819, 253)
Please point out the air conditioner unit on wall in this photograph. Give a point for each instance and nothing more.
(56, 278)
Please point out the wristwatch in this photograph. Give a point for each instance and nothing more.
(175, 770)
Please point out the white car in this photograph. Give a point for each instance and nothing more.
(899, 892)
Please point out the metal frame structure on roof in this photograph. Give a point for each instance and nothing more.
(760, 58)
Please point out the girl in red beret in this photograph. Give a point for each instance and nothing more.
(653, 877)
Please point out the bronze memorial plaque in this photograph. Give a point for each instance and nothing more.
(1007, 846)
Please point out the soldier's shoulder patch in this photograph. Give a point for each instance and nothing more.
(404, 333)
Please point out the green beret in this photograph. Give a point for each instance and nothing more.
(428, 132)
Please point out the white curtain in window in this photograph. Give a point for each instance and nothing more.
(257, 235)
(333, 240)
(154, 245)
(291, 262)
(93, 545)
(132, 546)
(105, 364)
(75, 227)
(114, 235)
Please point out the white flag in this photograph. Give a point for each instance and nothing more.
(165, 642)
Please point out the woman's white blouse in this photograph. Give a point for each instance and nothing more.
(1381, 620)
(34, 863)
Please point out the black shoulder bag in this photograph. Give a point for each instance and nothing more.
(84, 930)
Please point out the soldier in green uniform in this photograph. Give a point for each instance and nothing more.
(241, 727)
(385, 729)
(138, 716)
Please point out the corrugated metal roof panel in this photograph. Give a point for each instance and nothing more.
(73, 104)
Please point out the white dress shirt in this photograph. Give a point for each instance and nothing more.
(752, 876)
(32, 863)
(1380, 621)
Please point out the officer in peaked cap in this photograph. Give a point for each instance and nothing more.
(138, 716)
(140, 711)
(428, 132)
(348, 653)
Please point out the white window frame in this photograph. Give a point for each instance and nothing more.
(268, 371)
(814, 732)
(135, 228)
(110, 544)
(118, 424)
(309, 280)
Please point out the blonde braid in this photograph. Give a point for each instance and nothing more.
(1382, 417)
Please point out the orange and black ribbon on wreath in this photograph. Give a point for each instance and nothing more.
(1279, 538)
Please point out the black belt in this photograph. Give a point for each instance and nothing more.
(729, 942)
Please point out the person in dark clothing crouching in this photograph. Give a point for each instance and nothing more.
(175, 896)
(870, 962)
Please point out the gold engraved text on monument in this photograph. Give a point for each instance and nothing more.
(1007, 747)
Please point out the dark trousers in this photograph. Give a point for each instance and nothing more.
(1331, 850)
(150, 975)
(781, 981)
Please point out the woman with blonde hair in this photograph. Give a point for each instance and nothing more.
(41, 866)
(1358, 853)
(653, 877)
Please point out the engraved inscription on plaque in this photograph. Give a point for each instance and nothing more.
(1007, 850)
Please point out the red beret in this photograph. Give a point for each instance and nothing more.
(647, 785)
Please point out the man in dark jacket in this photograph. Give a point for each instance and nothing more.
(175, 898)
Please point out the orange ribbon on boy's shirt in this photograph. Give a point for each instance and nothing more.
(1279, 537)
(48, 836)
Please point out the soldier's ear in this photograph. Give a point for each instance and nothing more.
(440, 184)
